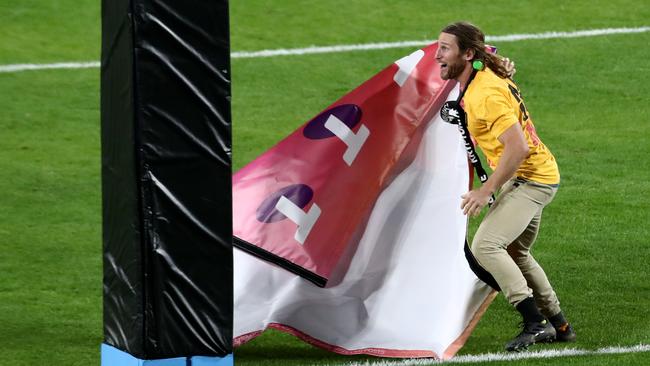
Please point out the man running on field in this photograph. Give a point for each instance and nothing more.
(525, 174)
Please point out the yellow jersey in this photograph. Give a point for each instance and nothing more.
(493, 105)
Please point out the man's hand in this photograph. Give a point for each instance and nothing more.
(515, 151)
(475, 200)
(510, 66)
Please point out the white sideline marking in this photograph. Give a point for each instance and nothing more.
(490, 357)
(60, 65)
(401, 44)
(352, 47)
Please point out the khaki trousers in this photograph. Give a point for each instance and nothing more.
(503, 241)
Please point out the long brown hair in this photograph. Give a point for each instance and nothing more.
(471, 37)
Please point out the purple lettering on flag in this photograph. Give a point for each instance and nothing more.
(349, 114)
(299, 194)
(346, 155)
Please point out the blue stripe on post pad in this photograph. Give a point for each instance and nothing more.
(111, 356)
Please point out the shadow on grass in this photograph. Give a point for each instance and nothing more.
(276, 348)
(293, 355)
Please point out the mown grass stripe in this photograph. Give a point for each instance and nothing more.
(491, 357)
(352, 47)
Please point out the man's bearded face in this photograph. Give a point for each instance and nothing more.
(449, 57)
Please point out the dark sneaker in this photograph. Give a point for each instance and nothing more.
(532, 333)
(565, 333)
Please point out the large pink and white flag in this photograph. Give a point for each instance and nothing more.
(349, 231)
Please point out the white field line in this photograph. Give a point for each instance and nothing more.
(352, 47)
(60, 65)
(402, 44)
(490, 357)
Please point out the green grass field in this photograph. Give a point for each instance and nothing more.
(589, 97)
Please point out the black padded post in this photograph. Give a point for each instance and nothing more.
(166, 177)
